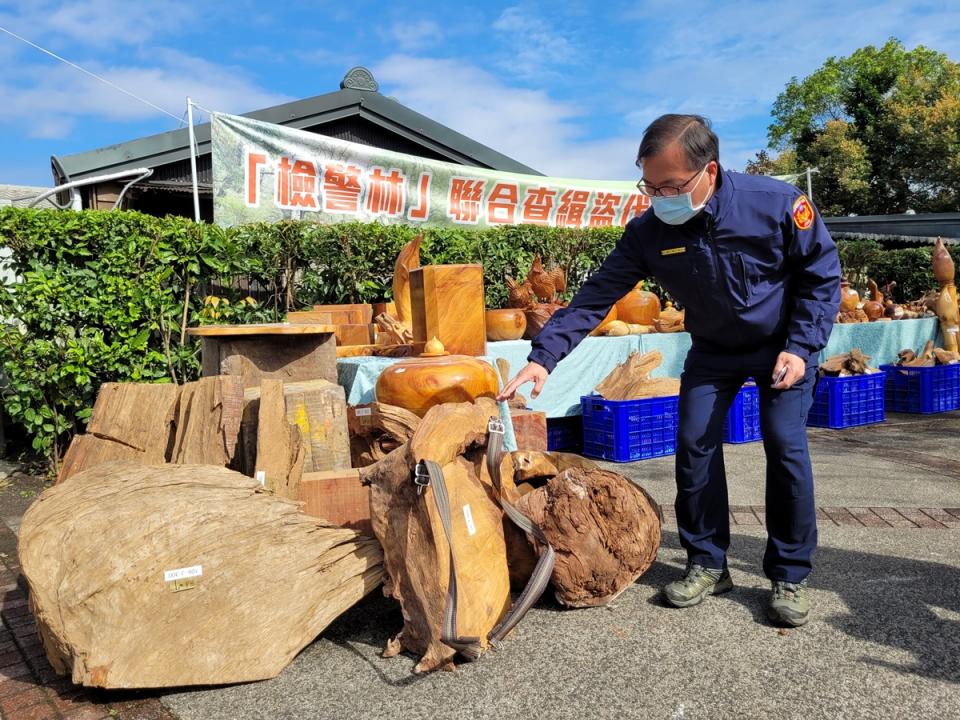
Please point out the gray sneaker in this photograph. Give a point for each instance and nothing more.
(696, 585)
(789, 604)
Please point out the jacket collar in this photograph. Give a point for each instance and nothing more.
(720, 199)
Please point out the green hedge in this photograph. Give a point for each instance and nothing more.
(107, 296)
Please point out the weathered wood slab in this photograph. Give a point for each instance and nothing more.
(319, 409)
(376, 430)
(530, 429)
(130, 421)
(206, 421)
(267, 579)
(280, 448)
(447, 303)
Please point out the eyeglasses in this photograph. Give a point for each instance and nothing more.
(664, 190)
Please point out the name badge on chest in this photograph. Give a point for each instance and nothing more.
(673, 251)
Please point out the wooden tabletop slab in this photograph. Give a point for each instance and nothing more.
(262, 329)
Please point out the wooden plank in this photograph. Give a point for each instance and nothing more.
(339, 497)
(447, 303)
(280, 450)
(262, 329)
(363, 312)
(207, 421)
(407, 350)
(88, 451)
(356, 334)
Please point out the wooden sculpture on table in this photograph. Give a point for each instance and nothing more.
(434, 378)
(538, 296)
(873, 308)
(407, 260)
(851, 309)
(943, 271)
(670, 320)
(506, 324)
(639, 306)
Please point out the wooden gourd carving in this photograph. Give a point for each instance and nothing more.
(638, 306)
(849, 298)
(947, 311)
(873, 308)
(418, 384)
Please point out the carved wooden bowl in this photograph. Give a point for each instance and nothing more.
(420, 383)
(507, 324)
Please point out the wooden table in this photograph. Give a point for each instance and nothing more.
(269, 350)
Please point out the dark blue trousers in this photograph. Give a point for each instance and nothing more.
(709, 383)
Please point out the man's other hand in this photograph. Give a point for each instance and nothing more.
(796, 369)
(533, 372)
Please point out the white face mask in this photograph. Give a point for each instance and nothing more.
(678, 209)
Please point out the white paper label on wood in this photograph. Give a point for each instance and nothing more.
(468, 516)
(363, 412)
(262, 477)
(183, 573)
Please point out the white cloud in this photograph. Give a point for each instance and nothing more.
(45, 100)
(102, 23)
(527, 125)
(535, 47)
(415, 34)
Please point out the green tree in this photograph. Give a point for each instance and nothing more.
(882, 125)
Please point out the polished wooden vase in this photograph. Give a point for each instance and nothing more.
(639, 306)
(506, 324)
(849, 298)
(420, 383)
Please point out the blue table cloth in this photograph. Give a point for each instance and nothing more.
(595, 357)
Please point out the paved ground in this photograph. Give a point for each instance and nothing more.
(885, 641)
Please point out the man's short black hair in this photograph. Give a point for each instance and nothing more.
(697, 141)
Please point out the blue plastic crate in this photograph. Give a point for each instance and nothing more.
(922, 389)
(743, 419)
(628, 430)
(842, 402)
(565, 434)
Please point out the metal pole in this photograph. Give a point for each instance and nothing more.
(193, 162)
(809, 185)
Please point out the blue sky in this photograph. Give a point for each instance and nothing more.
(566, 88)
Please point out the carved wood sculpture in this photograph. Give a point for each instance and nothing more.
(639, 306)
(407, 260)
(670, 320)
(378, 429)
(947, 310)
(538, 315)
(418, 384)
(505, 324)
(631, 379)
(604, 529)
(396, 333)
(874, 308)
(850, 363)
(258, 580)
(410, 530)
(547, 285)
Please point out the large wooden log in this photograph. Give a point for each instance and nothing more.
(280, 446)
(604, 529)
(99, 552)
(207, 421)
(416, 552)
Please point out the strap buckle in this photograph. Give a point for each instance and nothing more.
(495, 426)
(421, 477)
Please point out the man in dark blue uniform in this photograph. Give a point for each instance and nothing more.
(759, 277)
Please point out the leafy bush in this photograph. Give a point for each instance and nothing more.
(108, 296)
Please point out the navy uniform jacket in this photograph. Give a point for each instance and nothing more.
(743, 269)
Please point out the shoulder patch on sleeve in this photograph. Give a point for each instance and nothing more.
(802, 213)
